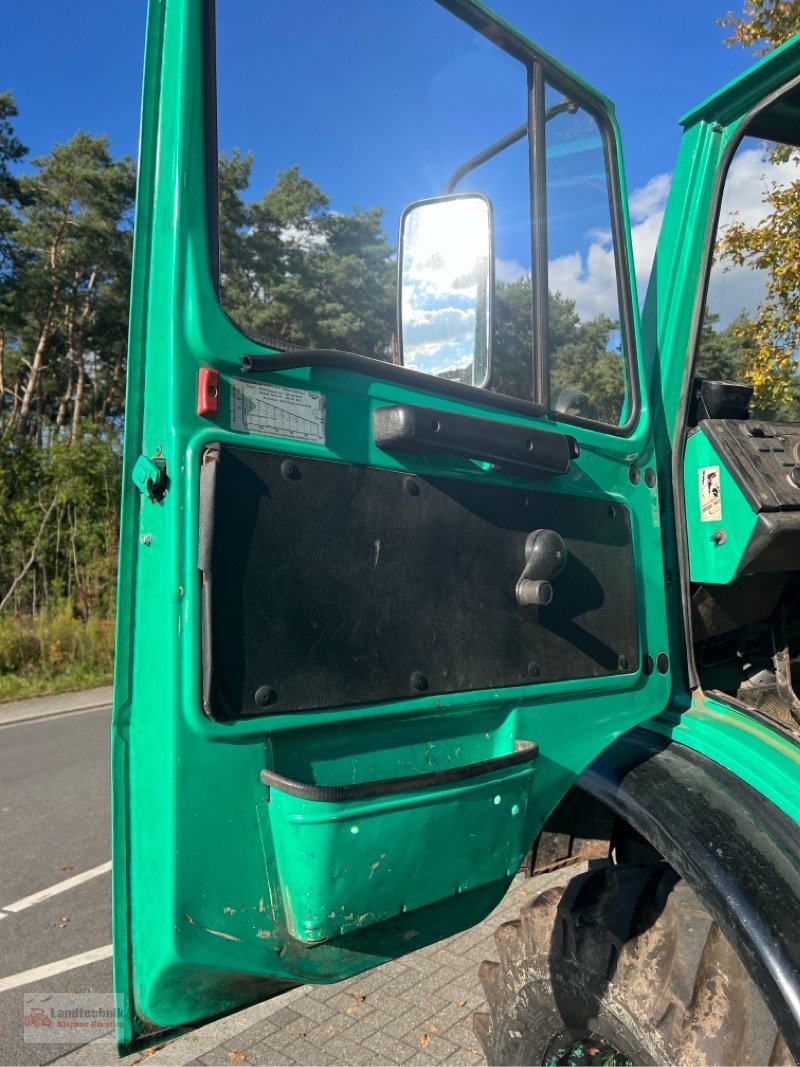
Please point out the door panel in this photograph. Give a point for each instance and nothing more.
(337, 730)
(394, 585)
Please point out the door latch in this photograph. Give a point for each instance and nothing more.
(150, 477)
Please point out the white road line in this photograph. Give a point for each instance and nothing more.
(54, 890)
(38, 974)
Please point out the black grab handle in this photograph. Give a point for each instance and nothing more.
(524, 451)
(525, 752)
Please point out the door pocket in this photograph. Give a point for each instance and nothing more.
(350, 856)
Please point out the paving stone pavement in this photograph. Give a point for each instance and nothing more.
(415, 1010)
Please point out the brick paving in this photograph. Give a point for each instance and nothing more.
(415, 1010)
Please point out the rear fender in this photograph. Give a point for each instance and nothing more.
(730, 831)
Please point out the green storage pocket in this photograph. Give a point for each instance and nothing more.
(349, 856)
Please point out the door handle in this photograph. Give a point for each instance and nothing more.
(545, 559)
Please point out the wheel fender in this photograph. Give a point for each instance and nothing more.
(735, 848)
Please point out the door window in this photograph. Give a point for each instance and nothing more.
(404, 104)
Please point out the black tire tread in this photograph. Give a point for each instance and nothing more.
(627, 952)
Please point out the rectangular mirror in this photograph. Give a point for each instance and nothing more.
(445, 284)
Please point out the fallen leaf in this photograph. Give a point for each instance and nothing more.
(359, 998)
(152, 1051)
(69, 867)
(424, 1041)
(298, 1033)
(462, 1003)
(330, 1031)
(237, 1056)
(435, 1029)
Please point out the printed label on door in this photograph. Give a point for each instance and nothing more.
(710, 495)
(275, 409)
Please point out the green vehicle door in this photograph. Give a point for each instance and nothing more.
(377, 610)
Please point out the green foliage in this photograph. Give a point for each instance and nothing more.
(723, 355)
(295, 273)
(770, 340)
(765, 22)
(581, 359)
(65, 310)
(12, 150)
(54, 651)
(59, 524)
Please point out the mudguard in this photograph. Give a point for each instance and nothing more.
(729, 840)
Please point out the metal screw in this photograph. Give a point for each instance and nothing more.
(623, 663)
(533, 670)
(411, 487)
(419, 681)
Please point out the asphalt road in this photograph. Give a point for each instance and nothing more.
(53, 827)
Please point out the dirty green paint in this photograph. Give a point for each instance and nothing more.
(766, 758)
(207, 885)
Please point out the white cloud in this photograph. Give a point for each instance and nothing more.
(509, 270)
(589, 277)
(734, 289)
(650, 199)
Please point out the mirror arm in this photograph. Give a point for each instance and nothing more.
(505, 142)
(487, 153)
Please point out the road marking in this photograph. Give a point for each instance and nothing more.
(38, 974)
(54, 890)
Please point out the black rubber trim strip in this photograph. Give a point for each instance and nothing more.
(388, 372)
(737, 850)
(522, 450)
(526, 752)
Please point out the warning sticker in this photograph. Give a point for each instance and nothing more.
(277, 410)
(710, 495)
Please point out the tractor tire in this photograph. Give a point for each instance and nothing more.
(623, 966)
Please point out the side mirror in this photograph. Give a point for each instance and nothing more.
(446, 274)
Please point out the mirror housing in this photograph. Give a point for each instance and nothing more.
(445, 287)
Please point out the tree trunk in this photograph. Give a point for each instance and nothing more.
(35, 371)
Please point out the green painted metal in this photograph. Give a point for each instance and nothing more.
(717, 540)
(218, 883)
(766, 758)
(344, 865)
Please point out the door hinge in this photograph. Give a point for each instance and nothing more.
(150, 476)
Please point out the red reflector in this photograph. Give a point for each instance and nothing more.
(208, 391)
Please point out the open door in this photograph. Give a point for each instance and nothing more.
(378, 609)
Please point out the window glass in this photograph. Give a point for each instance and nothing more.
(587, 366)
(329, 128)
(751, 321)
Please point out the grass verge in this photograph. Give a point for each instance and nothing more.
(54, 653)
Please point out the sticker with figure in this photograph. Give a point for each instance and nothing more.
(710, 495)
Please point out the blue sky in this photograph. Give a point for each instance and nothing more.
(79, 66)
